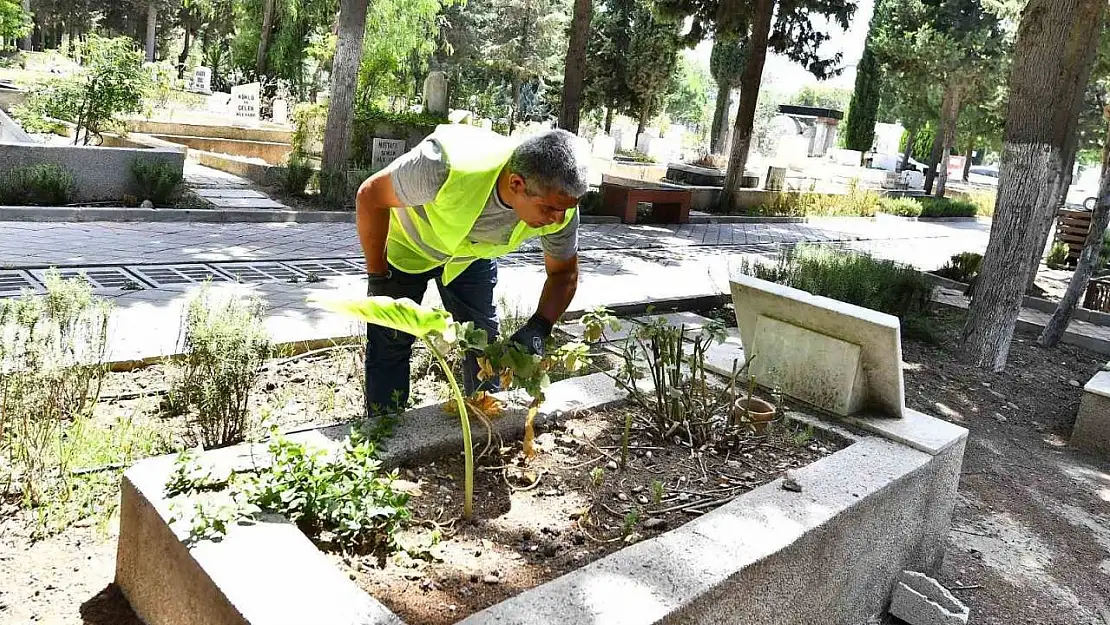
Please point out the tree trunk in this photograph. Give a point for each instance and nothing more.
(341, 112)
(575, 68)
(151, 27)
(609, 120)
(967, 159)
(1051, 65)
(1059, 193)
(1088, 258)
(184, 58)
(25, 42)
(950, 116)
(910, 138)
(749, 97)
(719, 130)
(515, 109)
(645, 115)
(264, 39)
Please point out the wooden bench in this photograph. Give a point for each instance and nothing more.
(668, 204)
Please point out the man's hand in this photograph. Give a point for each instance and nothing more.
(532, 336)
(379, 284)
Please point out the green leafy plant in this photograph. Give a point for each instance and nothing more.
(440, 334)
(803, 436)
(296, 173)
(630, 521)
(597, 322)
(597, 476)
(158, 181)
(51, 353)
(45, 184)
(224, 346)
(1057, 256)
(962, 267)
(658, 491)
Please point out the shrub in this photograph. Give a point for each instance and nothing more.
(51, 350)
(983, 201)
(944, 207)
(635, 156)
(46, 184)
(158, 181)
(370, 121)
(901, 206)
(858, 279)
(296, 173)
(590, 204)
(1057, 256)
(224, 347)
(962, 267)
(857, 202)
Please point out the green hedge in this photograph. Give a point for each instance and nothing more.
(944, 207)
(854, 278)
(309, 121)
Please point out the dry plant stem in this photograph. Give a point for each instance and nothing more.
(468, 450)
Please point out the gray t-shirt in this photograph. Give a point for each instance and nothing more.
(418, 176)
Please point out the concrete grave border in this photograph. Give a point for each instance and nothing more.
(830, 554)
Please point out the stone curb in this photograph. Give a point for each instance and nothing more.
(745, 219)
(887, 216)
(195, 215)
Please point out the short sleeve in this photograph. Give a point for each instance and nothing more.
(418, 174)
(563, 244)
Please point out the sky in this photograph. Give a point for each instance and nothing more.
(781, 74)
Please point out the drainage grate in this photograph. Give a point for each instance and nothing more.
(14, 281)
(167, 275)
(98, 277)
(326, 268)
(259, 272)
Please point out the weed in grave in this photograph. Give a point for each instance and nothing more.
(630, 521)
(597, 477)
(158, 181)
(51, 350)
(658, 492)
(511, 317)
(803, 436)
(224, 347)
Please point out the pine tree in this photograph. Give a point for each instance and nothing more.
(859, 132)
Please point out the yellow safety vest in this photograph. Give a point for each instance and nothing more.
(423, 238)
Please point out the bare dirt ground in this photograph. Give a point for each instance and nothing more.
(1030, 540)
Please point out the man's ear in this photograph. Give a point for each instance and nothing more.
(517, 183)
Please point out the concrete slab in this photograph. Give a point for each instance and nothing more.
(915, 429)
(877, 334)
(719, 358)
(1092, 423)
(245, 202)
(920, 600)
(216, 192)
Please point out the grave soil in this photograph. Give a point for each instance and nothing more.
(568, 506)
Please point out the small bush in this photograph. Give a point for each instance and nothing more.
(901, 206)
(1057, 256)
(962, 267)
(158, 181)
(857, 202)
(590, 204)
(944, 207)
(296, 173)
(51, 353)
(224, 347)
(37, 185)
(635, 156)
(983, 201)
(858, 279)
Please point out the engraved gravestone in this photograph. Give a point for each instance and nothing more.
(385, 151)
(245, 103)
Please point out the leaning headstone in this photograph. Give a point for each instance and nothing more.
(245, 103)
(435, 93)
(280, 111)
(385, 151)
(836, 356)
(201, 80)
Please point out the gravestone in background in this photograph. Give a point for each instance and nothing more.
(280, 111)
(201, 80)
(245, 101)
(385, 151)
(435, 93)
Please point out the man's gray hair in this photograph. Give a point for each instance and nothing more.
(552, 160)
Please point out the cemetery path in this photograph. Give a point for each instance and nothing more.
(150, 270)
(1030, 537)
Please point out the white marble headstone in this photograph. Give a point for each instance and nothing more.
(245, 100)
(201, 80)
(280, 111)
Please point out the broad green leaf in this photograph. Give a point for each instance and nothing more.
(403, 315)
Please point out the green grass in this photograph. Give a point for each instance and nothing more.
(945, 207)
(858, 279)
(901, 206)
(857, 202)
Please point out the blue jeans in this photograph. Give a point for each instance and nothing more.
(469, 297)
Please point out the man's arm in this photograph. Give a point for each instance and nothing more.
(374, 200)
(559, 289)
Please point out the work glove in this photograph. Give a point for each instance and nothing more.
(378, 284)
(532, 335)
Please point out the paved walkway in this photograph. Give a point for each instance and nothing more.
(225, 190)
(619, 264)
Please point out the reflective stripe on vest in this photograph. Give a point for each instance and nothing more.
(423, 238)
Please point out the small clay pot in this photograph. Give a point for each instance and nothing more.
(754, 411)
